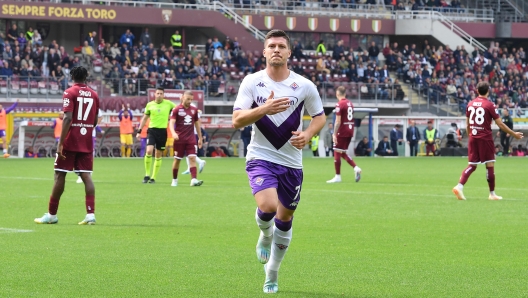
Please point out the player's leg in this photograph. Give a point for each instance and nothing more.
(473, 161)
(263, 182)
(487, 152)
(122, 138)
(178, 155)
(62, 167)
(288, 193)
(188, 171)
(191, 150)
(157, 164)
(337, 166)
(84, 166)
(4, 141)
(345, 144)
(490, 177)
(143, 147)
(151, 142)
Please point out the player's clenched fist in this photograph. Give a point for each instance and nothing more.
(275, 106)
(518, 135)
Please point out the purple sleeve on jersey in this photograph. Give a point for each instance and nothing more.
(131, 115)
(54, 123)
(318, 114)
(120, 116)
(99, 130)
(11, 108)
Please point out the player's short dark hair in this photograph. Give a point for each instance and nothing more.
(483, 88)
(161, 88)
(278, 33)
(341, 90)
(429, 122)
(79, 74)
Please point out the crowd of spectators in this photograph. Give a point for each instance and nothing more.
(445, 75)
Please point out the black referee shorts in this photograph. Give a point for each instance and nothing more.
(157, 137)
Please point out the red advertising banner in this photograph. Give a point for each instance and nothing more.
(175, 96)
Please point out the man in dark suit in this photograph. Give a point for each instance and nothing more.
(245, 135)
(384, 148)
(396, 136)
(363, 148)
(413, 137)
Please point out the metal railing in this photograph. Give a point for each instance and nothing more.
(216, 92)
(434, 15)
(295, 8)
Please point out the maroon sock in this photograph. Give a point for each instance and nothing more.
(53, 206)
(349, 160)
(337, 162)
(90, 204)
(174, 173)
(193, 172)
(466, 173)
(490, 176)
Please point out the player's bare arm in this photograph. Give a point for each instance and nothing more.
(301, 138)
(66, 123)
(336, 128)
(175, 136)
(197, 125)
(143, 122)
(518, 135)
(242, 118)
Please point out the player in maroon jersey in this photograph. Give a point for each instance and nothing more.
(343, 133)
(75, 147)
(183, 121)
(479, 115)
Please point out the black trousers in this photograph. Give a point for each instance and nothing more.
(505, 143)
(414, 147)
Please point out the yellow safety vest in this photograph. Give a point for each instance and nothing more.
(29, 35)
(176, 40)
(430, 134)
(321, 48)
(315, 143)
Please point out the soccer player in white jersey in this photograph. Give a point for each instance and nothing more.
(200, 162)
(273, 100)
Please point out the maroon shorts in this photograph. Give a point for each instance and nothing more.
(182, 148)
(480, 151)
(342, 143)
(74, 161)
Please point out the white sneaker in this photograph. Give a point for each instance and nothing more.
(357, 172)
(88, 220)
(201, 166)
(174, 182)
(79, 180)
(271, 284)
(47, 219)
(458, 191)
(494, 197)
(196, 182)
(336, 179)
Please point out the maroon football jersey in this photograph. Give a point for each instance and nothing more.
(185, 119)
(480, 113)
(345, 110)
(83, 103)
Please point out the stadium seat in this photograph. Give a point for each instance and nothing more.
(42, 88)
(54, 88)
(24, 87)
(3, 87)
(33, 87)
(15, 86)
(232, 67)
(98, 66)
(234, 76)
(225, 68)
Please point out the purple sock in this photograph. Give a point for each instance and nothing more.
(284, 226)
(143, 147)
(265, 216)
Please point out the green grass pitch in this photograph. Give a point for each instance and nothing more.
(399, 232)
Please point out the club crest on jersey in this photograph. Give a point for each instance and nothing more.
(66, 102)
(259, 181)
(260, 84)
(294, 86)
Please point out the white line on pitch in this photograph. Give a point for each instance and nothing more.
(7, 230)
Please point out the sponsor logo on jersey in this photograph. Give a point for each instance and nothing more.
(260, 84)
(187, 120)
(259, 181)
(294, 204)
(294, 86)
(66, 102)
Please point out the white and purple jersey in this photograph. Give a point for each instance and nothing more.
(271, 134)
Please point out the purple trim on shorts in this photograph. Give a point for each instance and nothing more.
(265, 216)
(2, 133)
(236, 109)
(284, 226)
(318, 114)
